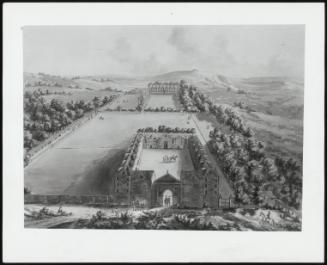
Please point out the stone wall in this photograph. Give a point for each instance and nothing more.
(123, 175)
(208, 178)
(210, 190)
(67, 199)
(141, 188)
(191, 190)
(164, 141)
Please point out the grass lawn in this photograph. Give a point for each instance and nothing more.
(129, 101)
(166, 101)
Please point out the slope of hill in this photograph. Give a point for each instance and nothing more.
(205, 81)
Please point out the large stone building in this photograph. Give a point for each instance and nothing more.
(163, 88)
(190, 183)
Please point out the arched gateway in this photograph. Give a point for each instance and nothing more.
(166, 191)
(167, 198)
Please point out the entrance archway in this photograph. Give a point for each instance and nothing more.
(167, 198)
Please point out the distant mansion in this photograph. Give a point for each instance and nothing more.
(163, 88)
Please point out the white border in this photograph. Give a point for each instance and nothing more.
(32, 245)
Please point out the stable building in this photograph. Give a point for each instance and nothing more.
(167, 169)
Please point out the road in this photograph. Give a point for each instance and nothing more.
(224, 188)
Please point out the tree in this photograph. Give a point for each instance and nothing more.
(38, 116)
(79, 113)
(46, 118)
(105, 100)
(71, 105)
(269, 169)
(96, 102)
(242, 155)
(55, 125)
(27, 190)
(57, 105)
(182, 83)
(248, 132)
(255, 195)
(251, 167)
(71, 114)
(40, 135)
(47, 126)
(27, 139)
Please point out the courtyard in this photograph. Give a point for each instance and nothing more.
(152, 159)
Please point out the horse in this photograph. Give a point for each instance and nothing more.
(173, 157)
(168, 159)
(165, 158)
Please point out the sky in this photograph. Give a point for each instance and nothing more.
(239, 51)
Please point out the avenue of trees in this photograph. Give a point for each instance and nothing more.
(255, 177)
(194, 101)
(42, 119)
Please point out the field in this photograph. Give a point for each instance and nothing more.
(82, 95)
(71, 93)
(152, 159)
(166, 101)
(282, 136)
(80, 163)
(128, 101)
(277, 116)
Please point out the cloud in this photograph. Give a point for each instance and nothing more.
(150, 65)
(230, 50)
(284, 62)
(122, 51)
(179, 40)
(221, 55)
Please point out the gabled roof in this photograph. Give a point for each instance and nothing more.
(167, 178)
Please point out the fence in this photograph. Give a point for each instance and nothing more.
(68, 199)
(230, 203)
(106, 200)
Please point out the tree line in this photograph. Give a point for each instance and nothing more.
(166, 129)
(41, 118)
(195, 101)
(255, 177)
